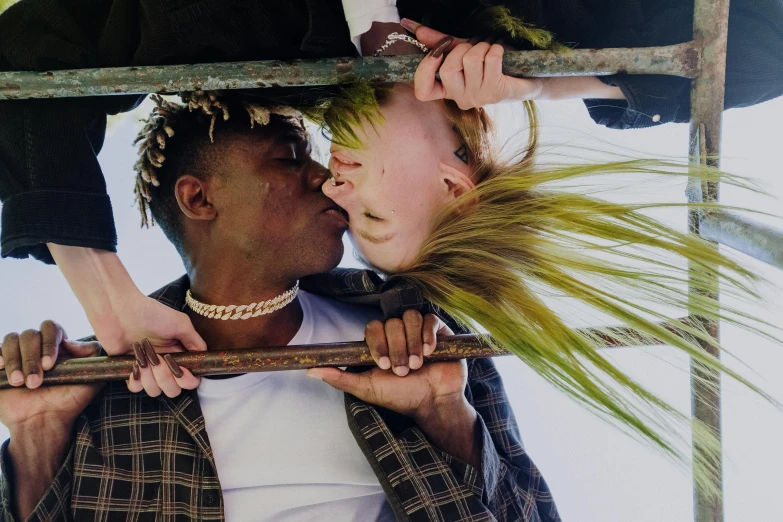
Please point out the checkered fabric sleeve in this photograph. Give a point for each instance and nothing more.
(509, 483)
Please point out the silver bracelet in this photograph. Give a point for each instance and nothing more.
(394, 37)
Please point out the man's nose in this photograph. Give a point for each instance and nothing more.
(317, 174)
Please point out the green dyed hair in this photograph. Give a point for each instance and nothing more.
(527, 233)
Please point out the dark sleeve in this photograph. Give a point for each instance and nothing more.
(51, 184)
(55, 506)
(508, 483)
(754, 65)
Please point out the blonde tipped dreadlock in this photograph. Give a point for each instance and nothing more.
(161, 124)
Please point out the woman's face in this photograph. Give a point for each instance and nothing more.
(404, 173)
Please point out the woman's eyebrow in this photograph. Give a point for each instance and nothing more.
(374, 239)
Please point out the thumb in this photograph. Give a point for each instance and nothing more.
(78, 349)
(188, 336)
(356, 384)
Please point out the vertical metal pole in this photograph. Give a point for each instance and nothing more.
(710, 28)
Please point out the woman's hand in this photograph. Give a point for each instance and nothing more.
(471, 74)
(118, 312)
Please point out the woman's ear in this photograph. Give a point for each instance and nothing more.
(456, 181)
(191, 194)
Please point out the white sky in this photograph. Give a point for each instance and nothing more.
(596, 473)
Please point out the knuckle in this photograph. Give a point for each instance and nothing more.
(48, 323)
(10, 338)
(29, 335)
(374, 326)
(173, 393)
(411, 315)
(394, 324)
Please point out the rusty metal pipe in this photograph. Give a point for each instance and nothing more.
(710, 32)
(679, 60)
(270, 359)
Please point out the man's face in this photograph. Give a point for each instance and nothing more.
(269, 202)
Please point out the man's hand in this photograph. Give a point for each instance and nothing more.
(471, 74)
(40, 420)
(401, 344)
(25, 356)
(433, 395)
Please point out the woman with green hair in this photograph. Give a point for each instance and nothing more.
(432, 203)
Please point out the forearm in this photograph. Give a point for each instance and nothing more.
(97, 278)
(584, 87)
(452, 428)
(35, 455)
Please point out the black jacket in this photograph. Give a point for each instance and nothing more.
(52, 187)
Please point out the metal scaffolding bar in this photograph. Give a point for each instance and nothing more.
(750, 237)
(703, 59)
(710, 30)
(678, 60)
(270, 359)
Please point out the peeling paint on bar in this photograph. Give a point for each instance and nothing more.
(679, 60)
(269, 359)
(710, 31)
(750, 237)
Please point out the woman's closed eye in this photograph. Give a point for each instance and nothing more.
(371, 217)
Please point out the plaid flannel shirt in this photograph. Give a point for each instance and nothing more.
(135, 457)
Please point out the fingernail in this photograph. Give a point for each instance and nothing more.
(136, 372)
(173, 366)
(151, 355)
(46, 362)
(437, 51)
(141, 359)
(33, 381)
(384, 363)
(410, 25)
(2, 362)
(402, 371)
(17, 377)
(414, 361)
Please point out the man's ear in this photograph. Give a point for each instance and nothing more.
(457, 182)
(192, 198)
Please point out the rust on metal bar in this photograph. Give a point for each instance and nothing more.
(710, 31)
(680, 60)
(269, 359)
(750, 237)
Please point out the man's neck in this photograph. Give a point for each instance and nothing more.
(226, 287)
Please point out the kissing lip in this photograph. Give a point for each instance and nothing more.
(336, 210)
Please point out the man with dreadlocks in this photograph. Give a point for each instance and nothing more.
(243, 206)
(55, 206)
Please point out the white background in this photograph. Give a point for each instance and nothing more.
(596, 473)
